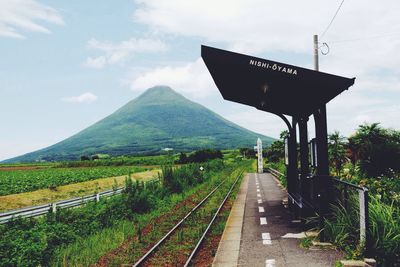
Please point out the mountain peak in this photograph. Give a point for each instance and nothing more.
(159, 89)
(160, 117)
(159, 95)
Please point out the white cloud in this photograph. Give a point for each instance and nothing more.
(257, 26)
(95, 63)
(119, 52)
(191, 78)
(22, 15)
(83, 98)
(263, 27)
(251, 25)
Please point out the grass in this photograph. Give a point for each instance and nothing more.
(85, 251)
(95, 245)
(179, 246)
(42, 196)
(149, 227)
(384, 230)
(306, 242)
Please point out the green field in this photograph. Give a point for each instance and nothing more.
(18, 181)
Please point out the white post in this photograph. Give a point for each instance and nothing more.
(53, 207)
(363, 227)
(259, 156)
(97, 197)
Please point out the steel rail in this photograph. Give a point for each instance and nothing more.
(149, 252)
(194, 251)
(275, 172)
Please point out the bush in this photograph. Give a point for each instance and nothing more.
(343, 230)
(200, 156)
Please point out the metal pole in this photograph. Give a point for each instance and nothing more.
(321, 134)
(316, 63)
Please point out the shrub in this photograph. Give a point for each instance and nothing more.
(384, 231)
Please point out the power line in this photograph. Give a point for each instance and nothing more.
(334, 16)
(381, 36)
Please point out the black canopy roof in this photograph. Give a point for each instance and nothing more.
(269, 85)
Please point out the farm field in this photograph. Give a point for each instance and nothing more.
(81, 236)
(42, 196)
(19, 181)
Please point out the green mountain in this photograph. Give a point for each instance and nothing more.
(157, 119)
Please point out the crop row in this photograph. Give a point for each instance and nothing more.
(18, 181)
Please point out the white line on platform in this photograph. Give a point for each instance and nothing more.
(261, 209)
(259, 201)
(267, 242)
(263, 220)
(266, 238)
(258, 195)
(270, 263)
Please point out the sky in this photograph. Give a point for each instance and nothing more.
(66, 64)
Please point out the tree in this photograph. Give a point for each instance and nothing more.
(84, 157)
(204, 155)
(276, 151)
(182, 158)
(337, 151)
(247, 152)
(376, 150)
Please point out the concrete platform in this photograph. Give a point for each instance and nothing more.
(264, 222)
(228, 248)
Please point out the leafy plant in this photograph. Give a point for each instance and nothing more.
(337, 151)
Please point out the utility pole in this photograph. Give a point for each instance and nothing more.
(316, 63)
(323, 181)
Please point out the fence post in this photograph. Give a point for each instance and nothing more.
(367, 235)
(97, 197)
(364, 220)
(54, 207)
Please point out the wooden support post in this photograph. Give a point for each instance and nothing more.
(304, 186)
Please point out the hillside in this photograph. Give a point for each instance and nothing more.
(157, 119)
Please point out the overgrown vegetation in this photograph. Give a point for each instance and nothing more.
(371, 158)
(384, 230)
(42, 241)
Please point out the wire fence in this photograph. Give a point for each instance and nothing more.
(34, 211)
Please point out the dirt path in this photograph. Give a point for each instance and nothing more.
(42, 196)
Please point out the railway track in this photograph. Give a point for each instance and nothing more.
(152, 252)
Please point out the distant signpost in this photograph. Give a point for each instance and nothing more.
(260, 167)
